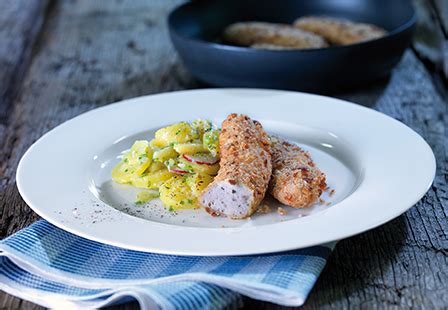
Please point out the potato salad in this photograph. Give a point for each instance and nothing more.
(177, 165)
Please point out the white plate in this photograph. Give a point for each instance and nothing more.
(378, 167)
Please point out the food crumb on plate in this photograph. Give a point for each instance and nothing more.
(321, 201)
(332, 192)
(281, 211)
(264, 209)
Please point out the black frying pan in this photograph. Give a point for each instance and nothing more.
(196, 27)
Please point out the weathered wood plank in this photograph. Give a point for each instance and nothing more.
(429, 37)
(20, 22)
(442, 12)
(11, 302)
(74, 69)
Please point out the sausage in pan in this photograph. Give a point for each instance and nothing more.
(339, 31)
(253, 33)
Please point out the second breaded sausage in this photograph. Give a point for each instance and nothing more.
(339, 31)
(295, 181)
(245, 169)
(255, 33)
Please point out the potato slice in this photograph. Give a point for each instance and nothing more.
(192, 167)
(164, 154)
(122, 173)
(189, 148)
(156, 144)
(156, 179)
(145, 196)
(141, 181)
(176, 194)
(177, 133)
(139, 156)
(156, 166)
(198, 182)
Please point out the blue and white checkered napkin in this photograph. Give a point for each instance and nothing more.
(57, 269)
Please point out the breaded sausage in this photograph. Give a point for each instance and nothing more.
(245, 169)
(295, 181)
(339, 31)
(250, 33)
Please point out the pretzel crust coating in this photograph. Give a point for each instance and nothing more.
(269, 34)
(295, 181)
(245, 169)
(340, 31)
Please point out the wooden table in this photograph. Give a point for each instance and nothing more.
(59, 59)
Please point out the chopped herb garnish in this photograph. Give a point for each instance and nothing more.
(143, 156)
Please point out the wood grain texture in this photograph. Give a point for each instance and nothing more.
(18, 30)
(431, 38)
(20, 22)
(73, 69)
(442, 12)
